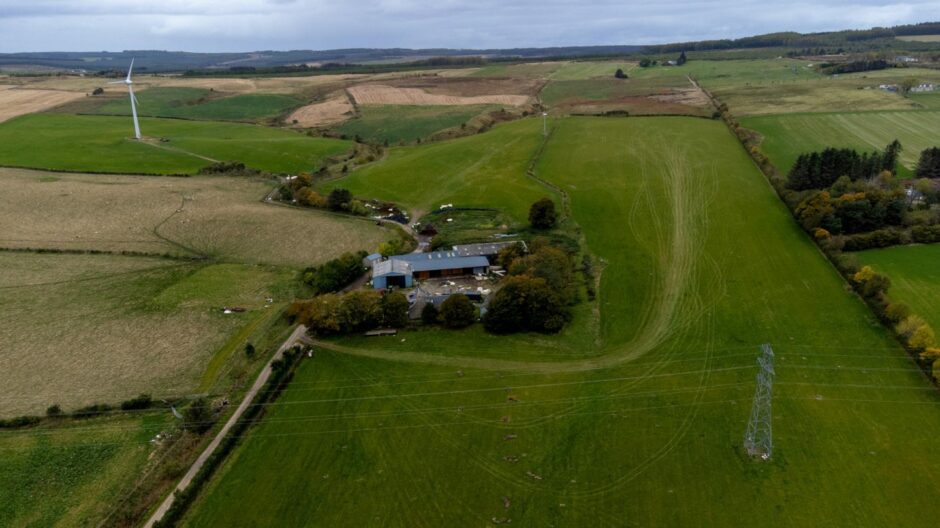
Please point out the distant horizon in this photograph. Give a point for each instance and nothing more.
(245, 26)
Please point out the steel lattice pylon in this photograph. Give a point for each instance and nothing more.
(758, 440)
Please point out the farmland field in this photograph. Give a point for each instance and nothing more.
(788, 136)
(571, 71)
(102, 144)
(915, 276)
(221, 217)
(639, 419)
(394, 123)
(485, 170)
(83, 329)
(73, 474)
(15, 102)
(198, 103)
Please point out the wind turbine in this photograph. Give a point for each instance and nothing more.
(130, 90)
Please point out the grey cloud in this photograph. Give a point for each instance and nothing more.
(243, 25)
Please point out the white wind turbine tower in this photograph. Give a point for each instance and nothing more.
(130, 90)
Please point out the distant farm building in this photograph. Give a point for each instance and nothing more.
(490, 250)
(371, 259)
(401, 270)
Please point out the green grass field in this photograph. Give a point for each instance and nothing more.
(521, 70)
(788, 136)
(395, 123)
(930, 101)
(915, 276)
(485, 170)
(75, 474)
(198, 103)
(639, 421)
(102, 144)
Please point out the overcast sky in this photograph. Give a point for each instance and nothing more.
(246, 25)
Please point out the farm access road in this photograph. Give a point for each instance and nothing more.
(298, 335)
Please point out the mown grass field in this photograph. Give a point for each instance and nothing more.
(200, 103)
(103, 144)
(638, 422)
(915, 276)
(219, 217)
(931, 101)
(75, 474)
(474, 171)
(396, 123)
(788, 136)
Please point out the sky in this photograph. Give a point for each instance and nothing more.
(250, 25)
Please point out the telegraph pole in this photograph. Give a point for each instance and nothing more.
(758, 440)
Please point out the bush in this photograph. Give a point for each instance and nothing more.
(429, 314)
(457, 311)
(394, 310)
(90, 411)
(198, 416)
(20, 421)
(144, 401)
(542, 214)
(526, 304)
(339, 198)
(249, 350)
(336, 274)
(53, 411)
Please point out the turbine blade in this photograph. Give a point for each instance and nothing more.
(129, 70)
(116, 82)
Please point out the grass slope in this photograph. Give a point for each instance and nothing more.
(198, 103)
(485, 170)
(641, 424)
(102, 144)
(394, 123)
(915, 276)
(788, 136)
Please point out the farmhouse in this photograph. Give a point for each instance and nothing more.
(401, 270)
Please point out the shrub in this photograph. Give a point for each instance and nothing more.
(20, 421)
(93, 410)
(457, 311)
(335, 274)
(198, 416)
(54, 410)
(144, 401)
(542, 214)
(394, 310)
(526, 304)
(429, 314)
(339, 198)
(359, 311)
(249, 350)
(897, 312)
(922, 338)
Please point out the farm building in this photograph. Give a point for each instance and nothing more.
(490, 250)
(392, 272)
(371, 259)
(401, 270)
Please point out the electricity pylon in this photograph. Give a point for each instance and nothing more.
(758, 440)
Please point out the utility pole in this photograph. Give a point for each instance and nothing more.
(758, 440)
(545, 124)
